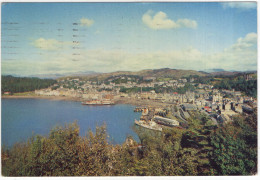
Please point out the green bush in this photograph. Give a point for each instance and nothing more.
(201, 149)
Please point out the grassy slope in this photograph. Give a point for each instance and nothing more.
(172, 73)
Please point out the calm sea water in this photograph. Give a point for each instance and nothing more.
(23, 117)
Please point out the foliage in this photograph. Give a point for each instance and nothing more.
(23, 84)
(239, 84)
(135, 89)
(63, 153)
(201, 149)
(203, 80)
(55, 87)
(196, 139)
(187, 87)
(235, 148)
(123, 79)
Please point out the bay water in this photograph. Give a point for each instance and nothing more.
(21, 118)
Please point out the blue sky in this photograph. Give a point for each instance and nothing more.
(46, 38)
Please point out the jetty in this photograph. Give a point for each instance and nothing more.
(99, 102)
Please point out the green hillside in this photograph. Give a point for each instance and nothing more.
(23, 84)
(165, 73)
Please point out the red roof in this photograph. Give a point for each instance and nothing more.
(175, 93)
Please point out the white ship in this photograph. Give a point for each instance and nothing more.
(149, 125)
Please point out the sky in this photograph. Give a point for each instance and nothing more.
(57, 38)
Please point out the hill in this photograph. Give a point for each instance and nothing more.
(163, 73)
(12, 84)
(171, 73)
(57, 75)
(225, 73)
(231, 73)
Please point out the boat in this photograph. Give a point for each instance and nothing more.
(150, 125)
(99, 102)
(166, 121)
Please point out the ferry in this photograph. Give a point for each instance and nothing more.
(99, 102)
(151, 125)
(166, 121)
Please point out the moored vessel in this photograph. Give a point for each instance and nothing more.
(149, 125)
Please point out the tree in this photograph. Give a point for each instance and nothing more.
(235, 148)
(22, 84)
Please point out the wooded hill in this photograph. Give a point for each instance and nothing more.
(157, 73)
(23, 84)
(163, 73)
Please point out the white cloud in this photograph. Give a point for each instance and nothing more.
(239, 5)
(97, 32)
(244, 43)
(50, 44)
(161, 21)
(86, 22)
(46, 44)
(189, 58)
(251, 38)
(187, 23)
(240, 56)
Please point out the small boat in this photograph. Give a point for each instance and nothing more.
(151, 125)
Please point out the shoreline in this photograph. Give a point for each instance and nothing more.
(42, 97)
(134, 102)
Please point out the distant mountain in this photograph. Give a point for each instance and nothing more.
(231, 73)
(165, 72)
(57, 75)
(172, 73)
(218, 71)
(47, 76)
(213, 70)
(225, 73)
(14, 75)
